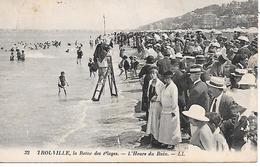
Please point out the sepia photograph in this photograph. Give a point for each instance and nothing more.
(128, 81)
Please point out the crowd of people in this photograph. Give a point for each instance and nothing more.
(185, 83)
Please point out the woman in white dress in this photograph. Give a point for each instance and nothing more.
(154, 90)
(169, 129)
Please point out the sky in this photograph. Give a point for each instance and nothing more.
(88, 14)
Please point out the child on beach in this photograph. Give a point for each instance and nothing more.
(134, 64)
(62, 82)
(126, 66)
(92, 67)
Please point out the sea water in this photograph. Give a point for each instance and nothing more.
(32, 113)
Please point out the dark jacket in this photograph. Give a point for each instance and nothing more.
(163, 65)
(100, 52)
(228, 110)
(198, 94)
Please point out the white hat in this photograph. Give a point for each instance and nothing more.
(178, 55)
(243, 38)
(196, 112)
(216, 44)
(216, 82)
(247, 79)
(157, 45)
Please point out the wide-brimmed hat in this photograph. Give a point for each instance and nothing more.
(195, 69)
(196, 112)
(150, 59)
(248, 79)
(216, 82)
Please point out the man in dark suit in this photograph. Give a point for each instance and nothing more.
(198, 93)
(225, 106)
(177, 79)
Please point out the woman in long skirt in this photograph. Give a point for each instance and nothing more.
(169, 130)
(154, 90)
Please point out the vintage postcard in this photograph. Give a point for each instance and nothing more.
(128, 80)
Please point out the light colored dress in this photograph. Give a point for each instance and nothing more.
(169, 129)
(155, 111)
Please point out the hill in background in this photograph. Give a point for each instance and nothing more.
(231, 15)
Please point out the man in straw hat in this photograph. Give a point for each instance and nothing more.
(202, 137)
(198, 93)
(224, 105)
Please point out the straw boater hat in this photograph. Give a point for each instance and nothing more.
(239, 72)
(216, 82)
(196, 112)
(200, 58)
(195, 69)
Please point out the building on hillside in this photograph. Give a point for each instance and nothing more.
(208, 20)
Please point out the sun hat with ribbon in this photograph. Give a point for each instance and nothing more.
(216, 82)
(196, 112)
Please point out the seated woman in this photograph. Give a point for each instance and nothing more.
(202, 137)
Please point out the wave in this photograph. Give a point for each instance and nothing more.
(37, 55)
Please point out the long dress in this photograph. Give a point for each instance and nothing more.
(169, 130)
(155, 109)
(144, 74)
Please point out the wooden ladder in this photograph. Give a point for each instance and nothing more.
(109, 74)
